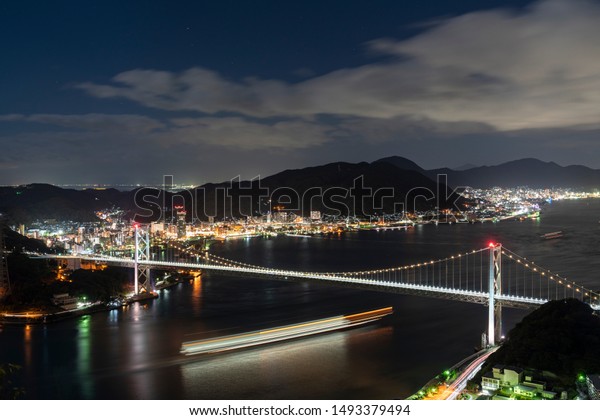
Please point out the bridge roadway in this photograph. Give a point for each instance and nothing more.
(473, 296)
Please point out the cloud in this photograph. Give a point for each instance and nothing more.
(198, 150)
(304, 73)
(496, 85)
(534, 68)
(382, 130)
(91, 122)
(225, 132)
(193, 149)
(239, 133)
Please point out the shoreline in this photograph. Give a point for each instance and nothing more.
(47, 318)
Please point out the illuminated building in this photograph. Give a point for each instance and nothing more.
(509, 379)
(501, 376)
(65, 301)
(181, 226)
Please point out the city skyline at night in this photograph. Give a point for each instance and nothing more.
(299, 208)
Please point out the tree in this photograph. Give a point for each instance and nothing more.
(562, 336)
(8, 391)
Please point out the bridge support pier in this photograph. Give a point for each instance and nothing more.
(143, 279)
(495, 287)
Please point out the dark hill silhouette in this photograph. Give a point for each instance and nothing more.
(561, 336)
(530, 172)
(408, 181)
(331, 189)
(394, 188)
(465, 167)
(402, 163)
(14, 241)
(44, 201)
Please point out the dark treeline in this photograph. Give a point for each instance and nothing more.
(562, 337)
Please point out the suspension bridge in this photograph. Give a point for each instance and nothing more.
(493, 276)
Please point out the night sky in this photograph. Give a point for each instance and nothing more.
(126, 91)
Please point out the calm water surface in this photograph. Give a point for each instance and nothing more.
(134, 352)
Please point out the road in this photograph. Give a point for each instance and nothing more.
(453, 390)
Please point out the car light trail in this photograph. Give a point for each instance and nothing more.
(288, 332)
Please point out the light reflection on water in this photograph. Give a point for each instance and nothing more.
(322, 361)
(269, 367)
(84, 345)
(134, 352)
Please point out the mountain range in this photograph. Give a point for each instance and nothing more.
(333, 188)
(529, 172)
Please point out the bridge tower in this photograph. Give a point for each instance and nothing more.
(495, 288)
(143, 279)
(4, 280)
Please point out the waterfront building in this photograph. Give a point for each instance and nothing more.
(65, 301)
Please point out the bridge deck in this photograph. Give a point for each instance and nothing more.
(472, 296)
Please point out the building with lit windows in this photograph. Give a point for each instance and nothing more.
(181, 225)
(501, 376)
(509, 382)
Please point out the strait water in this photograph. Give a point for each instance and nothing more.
(134, 352)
